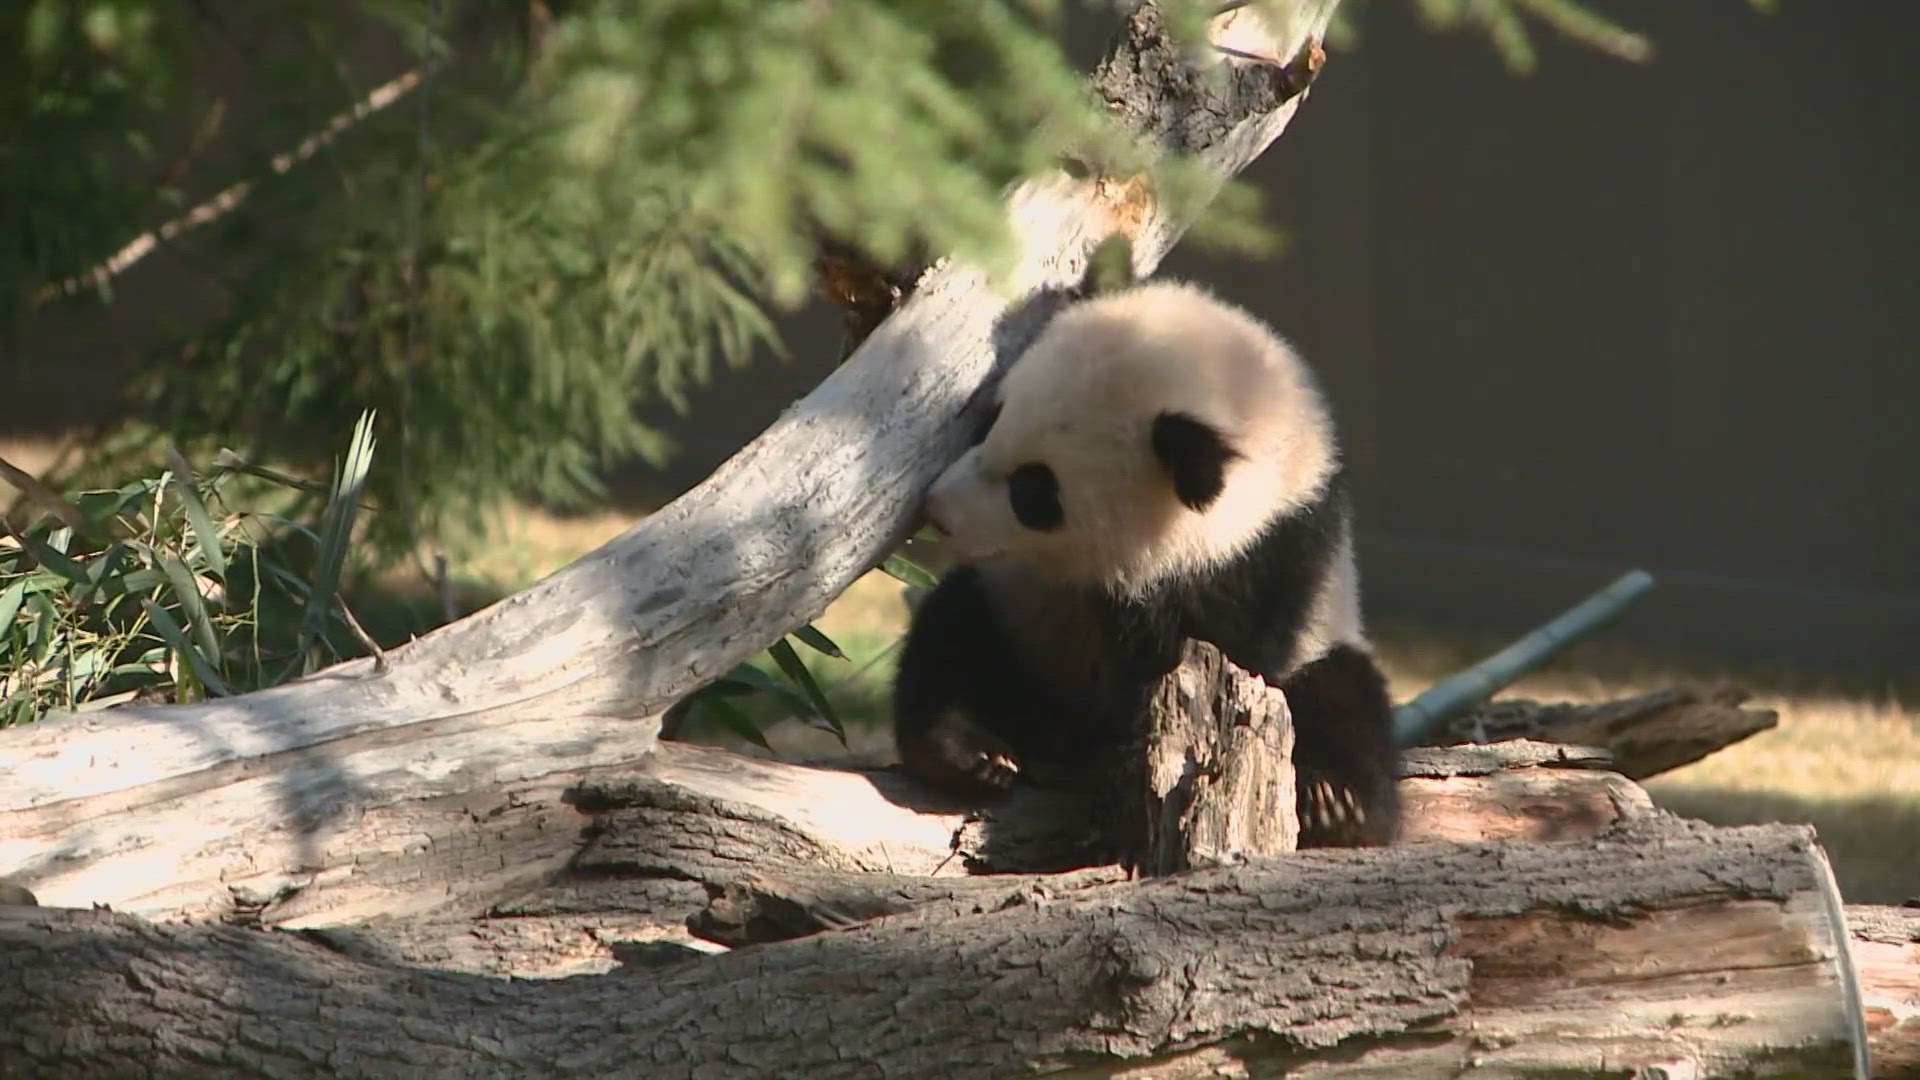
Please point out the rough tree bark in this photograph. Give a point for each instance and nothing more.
(1211, 783)
(1662, 943)
(759, 547)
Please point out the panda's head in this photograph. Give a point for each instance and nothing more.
(1143, 436)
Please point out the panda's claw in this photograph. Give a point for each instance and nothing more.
(997, 769)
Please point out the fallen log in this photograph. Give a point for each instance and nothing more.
(522, 825)
(1517, 790)
(1647, 735)
(1661, 943)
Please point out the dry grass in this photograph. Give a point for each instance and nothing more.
(33, 455)
(531, 544)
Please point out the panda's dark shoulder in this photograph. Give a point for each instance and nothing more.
(1256, 603)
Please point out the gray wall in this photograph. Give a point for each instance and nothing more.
(1601, 317)
(1613, 316)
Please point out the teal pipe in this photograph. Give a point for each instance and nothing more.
(1421, 717)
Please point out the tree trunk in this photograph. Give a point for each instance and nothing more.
(1661, 943)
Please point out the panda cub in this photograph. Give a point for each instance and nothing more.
(1158, 465)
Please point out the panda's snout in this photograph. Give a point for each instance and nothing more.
(932, 507)
(940, 495)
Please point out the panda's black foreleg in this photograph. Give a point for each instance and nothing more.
(959, 691)
(1346, 768)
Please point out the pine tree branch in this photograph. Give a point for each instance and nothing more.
(235, 194)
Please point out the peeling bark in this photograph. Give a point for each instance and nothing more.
(1886, 953)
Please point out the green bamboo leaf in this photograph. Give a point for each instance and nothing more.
(747, 679)
(100, 508)
(811, 636)
(102, 569)
(84, 663)
(108, 702)
(41, 630)
(737, 722)
(134, 582)
(53, 559)
(905, 570)
(10, 601)
(176, 637)
(336, 532)
(197, 516)
(188, 590)
(789, 661)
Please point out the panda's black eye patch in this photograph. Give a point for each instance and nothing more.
(1035, 495)
(986, 424)
(1195, 454)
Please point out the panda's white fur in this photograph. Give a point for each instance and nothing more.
(1080, 397)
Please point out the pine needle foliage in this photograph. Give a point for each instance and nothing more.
(584, 204)
(1510, 26)
(88, 85)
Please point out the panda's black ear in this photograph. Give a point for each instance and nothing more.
(1195, 454)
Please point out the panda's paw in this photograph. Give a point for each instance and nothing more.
(1333, 814)
(995, 768)
(976, 753)
(956, 751)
